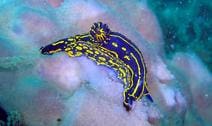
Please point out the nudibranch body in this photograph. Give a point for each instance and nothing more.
(111, 49)
(79, 48)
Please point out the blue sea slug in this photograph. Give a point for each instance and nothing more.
(111, 49)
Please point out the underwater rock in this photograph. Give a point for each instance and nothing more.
(160, 70)
(55, 3)
(48, 106)
(93, 109)
(159, 78)
(3, 115)
(62, 72)
(167, 97)
(44, 3)
(26, 27)
(41, 26)
(181, 103)
(12, 118)
(154, 116)
(148, 25)
(198, 79)
(75, 17)
(15, 119)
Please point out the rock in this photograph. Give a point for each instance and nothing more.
(160, 70)
(3, 115)
(55, 3)
(198, 79)
(61, 71)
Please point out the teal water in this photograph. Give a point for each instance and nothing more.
(186, 25)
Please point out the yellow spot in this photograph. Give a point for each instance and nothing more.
(79, 48)
(67, 49)
(78, 54)
(127, 57)
(70, 53)
(102, 58)
(115, 44)
(85, 47)
(88, 51)
(56, 43)
(123, 48)
(110, 61)
(96, 52)
(77, 36)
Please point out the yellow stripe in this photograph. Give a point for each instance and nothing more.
(54, 51)
(132, 72)
(85, 35)
(143, 63)
(141, 56)
(142, 92)
(56, 43)
(90, 57)
(139, 74)
(70, 39)
(109, 52)
(132, 81)
(142, 60)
